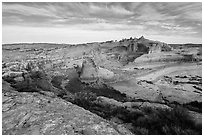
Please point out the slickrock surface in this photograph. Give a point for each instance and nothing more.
(36, 113)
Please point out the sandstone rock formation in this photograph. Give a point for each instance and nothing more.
(147, 46)
(40, 81)
(114, 104)
(30, 78)
(105, 73)
(129, 49)
(90, 72)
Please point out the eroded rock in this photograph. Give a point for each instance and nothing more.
(38, 114)
(91, 73)
(147, 46)
(30, 78)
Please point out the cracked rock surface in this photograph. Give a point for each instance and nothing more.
(34, 113)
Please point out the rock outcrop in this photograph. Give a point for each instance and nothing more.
(40, 81)
(129, 49)
(147, 46)
(105, 73)
(91, 73)
(37, 114)
(29, 78)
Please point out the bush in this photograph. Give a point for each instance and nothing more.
(194, 106)
(84, 99)
(108, 92)
(174, 121)
(144, 120)
(164, 121)
(74, 85)
(57, 81)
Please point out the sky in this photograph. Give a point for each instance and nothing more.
(74, 23)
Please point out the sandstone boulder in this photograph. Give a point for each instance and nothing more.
(104, 101)
(89, 71)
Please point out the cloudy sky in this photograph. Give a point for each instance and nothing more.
(88, 22)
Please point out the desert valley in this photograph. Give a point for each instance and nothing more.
(128, 86)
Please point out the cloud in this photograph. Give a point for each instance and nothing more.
(165, 19)
(108, 11)
(27, 10)
(148, 13)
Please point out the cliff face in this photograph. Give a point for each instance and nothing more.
(136, 48)
(147, 46)
(140, 45)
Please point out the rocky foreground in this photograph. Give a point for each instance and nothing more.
(41, 113)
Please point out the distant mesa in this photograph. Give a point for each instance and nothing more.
(141, 45)
(147, 46)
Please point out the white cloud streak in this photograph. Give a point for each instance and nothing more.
(164, 19)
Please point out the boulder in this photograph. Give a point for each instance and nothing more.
(13, 77)
(15, 67)
(18, 79)
(12, 74)
(104, 101)
(8, 64)
(89, 71)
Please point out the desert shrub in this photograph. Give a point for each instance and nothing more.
(199, 52)
(141, 131)
(38, 74)
(194, 106)
(164, 121)
(100, 89)
(108, 92)
(57, 81)
(74, 85)
(84, 99)
(9, 80)
(154, 121)
(146, 120)
(87, 100)
(130, 57)
(71, 73)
